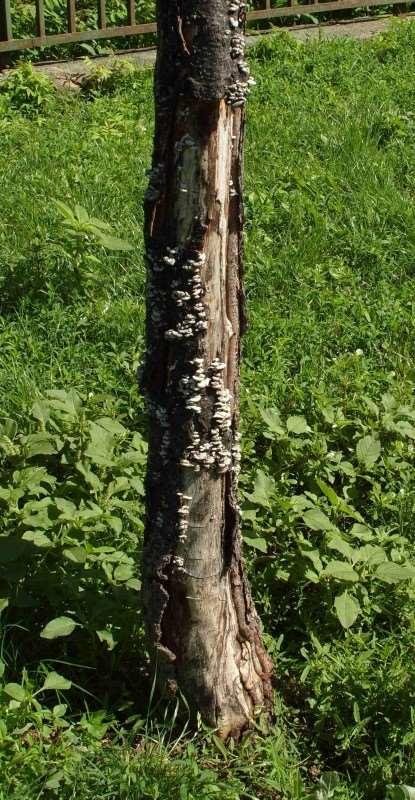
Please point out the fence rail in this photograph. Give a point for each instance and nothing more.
(131, 28)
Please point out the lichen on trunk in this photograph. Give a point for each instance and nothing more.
(202, 625)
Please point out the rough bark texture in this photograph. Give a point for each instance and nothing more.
(201, 621)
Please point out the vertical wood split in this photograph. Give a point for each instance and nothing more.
(200, 617)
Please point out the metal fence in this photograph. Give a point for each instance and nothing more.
(132, 27)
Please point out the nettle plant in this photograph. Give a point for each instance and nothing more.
(73, 260)
(71, 523)
(80, 236)
(329, 512)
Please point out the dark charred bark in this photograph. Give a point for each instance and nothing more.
(201, 621)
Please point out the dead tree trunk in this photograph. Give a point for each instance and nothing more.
(201, 620)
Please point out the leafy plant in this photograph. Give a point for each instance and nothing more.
(81, 233)
(27, 90)
(70, 493)
(108, 78)
(332, 492)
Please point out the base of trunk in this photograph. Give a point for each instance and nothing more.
(211, 650)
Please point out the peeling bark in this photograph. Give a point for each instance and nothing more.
(201, 621)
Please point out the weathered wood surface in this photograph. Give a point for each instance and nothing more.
(201, 620)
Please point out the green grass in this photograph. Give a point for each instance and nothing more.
(330, 255)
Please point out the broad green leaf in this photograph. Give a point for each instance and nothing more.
(373, 408)
(76, 554)
(139, 443)
(405, 429)
(2, 668)
(65, 210)
(68, 403)
(347, 609)
(39, 519)
(123, 572)
(406, 411)
(111, 555)
(56, 682)
(401, 792)
(55, 780)
(297, 425)
(115, 523)
(15, 691)
(90, 477)
(81, 213)
(394, 573)
(314, 557)
(328, 413)
(134, 584)
(41, 411)
(8, 427)
(341, 571)
(95, 723)
(101, 447)
(264, 488)
(326, 786)
(112, 242)
(59, 710)
(312, 576)
(40, 444)
(250, 515)
(272, 419)
(257, 543)
(112, 426)
(118, 486)
(389, 402)
(299, 502)
(66, 507)
(347, 468)
(37, 538)
(361, 532)
(368, 450)
(4, 602)
(7, 446)
(336, 542)
(329, 492)
(60, 626)
(138, 485)
(315, 519)
(99, 223)
(338, 502)
(369, 554)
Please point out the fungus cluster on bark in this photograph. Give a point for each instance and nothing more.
(202, 624)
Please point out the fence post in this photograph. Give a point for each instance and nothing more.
(70, 5)
(40, 18)
(5, 29)
(102, 15)
(131, 12)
